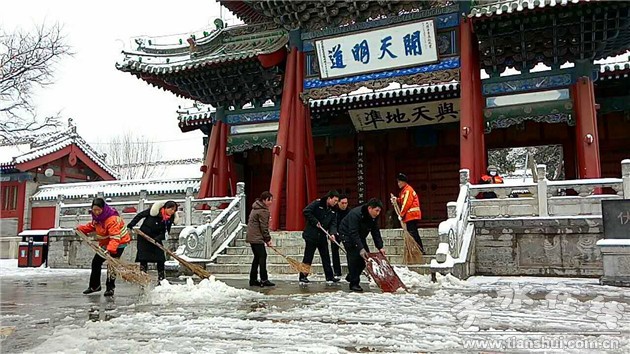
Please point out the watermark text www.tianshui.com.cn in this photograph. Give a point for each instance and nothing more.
(543, 342)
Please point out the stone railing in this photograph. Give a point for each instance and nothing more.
(542, 199)
(221, 224)
(548, 198)
(456, 233)
(206, 241)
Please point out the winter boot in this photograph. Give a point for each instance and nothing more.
(267, 283)
(254, 283)
(90, 290)
(109, 292)
(304, 279)
(356, 288)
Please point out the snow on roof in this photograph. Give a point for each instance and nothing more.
(49, 144)
(393, 90)
(116, 188)
(179, 169)
(8, 152)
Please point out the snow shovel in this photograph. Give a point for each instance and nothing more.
(383, 273)
(412, 254)
(200, 271)
(128, 272)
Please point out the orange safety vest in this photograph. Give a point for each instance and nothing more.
(409, 204)
(111, 235)
(492, 180)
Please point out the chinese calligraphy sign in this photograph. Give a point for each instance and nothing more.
(409, 115)
(405, 45)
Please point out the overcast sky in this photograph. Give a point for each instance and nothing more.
(103, 101)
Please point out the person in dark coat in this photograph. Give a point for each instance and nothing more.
(353, 231)
(342, 210)
(157, 223)
(322, 213)
(257, 236)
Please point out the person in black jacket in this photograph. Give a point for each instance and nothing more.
(353, 231)
(157, 223)
(322, 213)
(342, 210)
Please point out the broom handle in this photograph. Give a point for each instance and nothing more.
(332, 239)
(169, 252)
(397, 209)
(342, 249)
(94, 247)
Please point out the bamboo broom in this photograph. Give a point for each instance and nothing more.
(116, 266)
(200, 271)
(298, 266)
(412, 254)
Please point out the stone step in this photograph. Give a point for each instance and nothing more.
(285, 269)
(299, 250)
(277, 259)
(295, 242)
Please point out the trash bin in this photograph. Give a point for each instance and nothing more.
(33, 250)
(23, 254)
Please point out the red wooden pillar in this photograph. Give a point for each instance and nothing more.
(294, 151)
(222, 166)
(218, 167)
(280, 149)
(471, 119)
(587, 139)
(205, 189)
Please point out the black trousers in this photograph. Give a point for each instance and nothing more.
(309, 252)
(144, 266)
(356, 264)
(412, 228)
(260, 261)
(95, 275)
(336, 262)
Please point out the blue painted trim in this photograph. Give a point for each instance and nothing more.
(517, 84)
(437, 12)
(253, 117)
(448, 63)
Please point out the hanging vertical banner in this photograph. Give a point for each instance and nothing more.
(405, 45)
(409, 115)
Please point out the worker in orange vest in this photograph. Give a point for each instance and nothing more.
(410, 212)
(491, 178)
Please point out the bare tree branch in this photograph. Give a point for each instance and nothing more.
(27, 61)
(133, 156)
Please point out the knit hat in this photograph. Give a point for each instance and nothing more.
(492, 168)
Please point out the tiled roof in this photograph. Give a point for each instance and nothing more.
(385, 93)
(116, 188)
(490, 8)
(221, 45)
(50, 144)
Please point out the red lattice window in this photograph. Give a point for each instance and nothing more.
(9, 197)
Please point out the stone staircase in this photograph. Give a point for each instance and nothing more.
(237, 258)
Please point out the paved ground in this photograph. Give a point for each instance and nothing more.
(44, 311)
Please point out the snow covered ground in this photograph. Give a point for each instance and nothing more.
(480, 314)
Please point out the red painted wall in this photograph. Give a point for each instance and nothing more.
(42, 218)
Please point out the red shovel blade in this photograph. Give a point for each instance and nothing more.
(383, 273)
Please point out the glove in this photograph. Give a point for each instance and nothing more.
(363, 253)
(400, 218)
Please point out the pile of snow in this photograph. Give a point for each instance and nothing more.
(412, 280)
(9, 269)
(208, 291)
